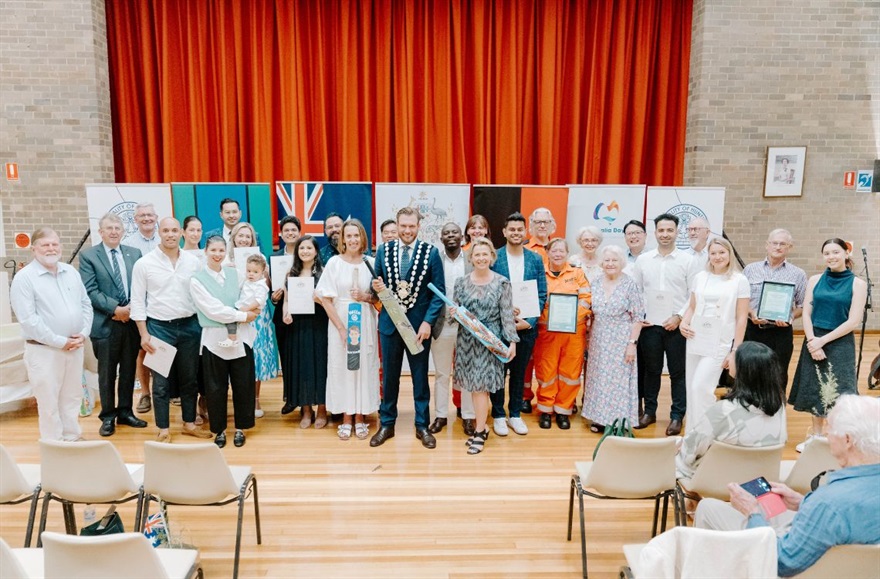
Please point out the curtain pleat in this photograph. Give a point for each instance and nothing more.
(480, 91)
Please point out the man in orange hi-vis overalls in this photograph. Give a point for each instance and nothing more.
(559, 356)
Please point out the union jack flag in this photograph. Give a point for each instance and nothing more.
(155, 529)
(311, 202)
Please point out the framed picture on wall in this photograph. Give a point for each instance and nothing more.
(785, 171)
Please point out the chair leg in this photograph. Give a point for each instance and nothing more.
(241, 497)
(138, 512)
(69, 517)
(656, 516)
(583, 535)
(571, 504)
(44, 513)
(32, 516)
(665, 514)
(257, 511)
(145, 512)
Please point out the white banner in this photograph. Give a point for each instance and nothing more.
(686, 203)
(608, 207)
(121, 199)
(438, 204)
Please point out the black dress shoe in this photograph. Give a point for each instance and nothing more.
(383, 434)
(428, 440)
(238, 439)
(645, 421)
(674, 428)
(437, 425)
(546, 421)
(526, 407)
(108, 427)
(563, 422)
(469, 425)
(220, 439)
(288, 408)
(131, 420)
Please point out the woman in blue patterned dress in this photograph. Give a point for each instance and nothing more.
(488, 296)
(265, 347)
(612, 375)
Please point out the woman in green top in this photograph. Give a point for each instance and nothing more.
(833, 309)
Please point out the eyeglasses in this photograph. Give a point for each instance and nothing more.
(696, 229)
(634, 233)
(778, 243)
(542, 222)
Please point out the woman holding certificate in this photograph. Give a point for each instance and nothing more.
(488, 297)
(611, 389)
(714, 325)
(265, 347)
(833, 309)
(562, 337)
(352, 341)
(282, 260)
(304, 352)
(215, 290)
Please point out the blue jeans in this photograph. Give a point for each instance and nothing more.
(185, 334)
(517, 370)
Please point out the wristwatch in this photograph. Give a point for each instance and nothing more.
(633, 342)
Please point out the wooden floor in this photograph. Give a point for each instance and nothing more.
(333, 508)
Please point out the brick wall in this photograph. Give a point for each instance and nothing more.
(54, 114)
(771, 73)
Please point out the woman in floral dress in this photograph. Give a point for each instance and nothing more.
(618, 309)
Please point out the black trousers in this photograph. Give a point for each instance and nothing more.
(220, 374)
(117, 351)
(654, 342)
(517, 370)
(780, 340)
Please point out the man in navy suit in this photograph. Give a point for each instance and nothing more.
(106, 273)
(518, 264)
(406, 267)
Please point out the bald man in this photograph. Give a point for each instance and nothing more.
(161, 306)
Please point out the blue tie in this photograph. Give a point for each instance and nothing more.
(117, 278)
(405, 262)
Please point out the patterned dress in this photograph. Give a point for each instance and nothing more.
(265, 347)
(612, 388)
(476, 368)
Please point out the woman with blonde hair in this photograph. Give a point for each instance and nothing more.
(714, 325)
(588, 259)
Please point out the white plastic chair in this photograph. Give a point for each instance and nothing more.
(816, 458)
(118, 556)
(850, 561)
(626, 469)
(90, 472)
(20, 563)
(20, 483)
(725, 463)
(198, 475)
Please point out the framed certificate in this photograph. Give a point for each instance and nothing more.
(776, 301)
(562, 313)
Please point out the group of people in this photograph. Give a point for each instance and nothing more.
(631, 310)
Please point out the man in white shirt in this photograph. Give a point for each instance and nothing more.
(445, 334)
(698, 236)
(55, 315)
(664, 275)
(162, 306)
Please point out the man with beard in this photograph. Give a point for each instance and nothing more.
(445, 333)
(332, 231)
(518, 265)
(55, 314)
(162, 306)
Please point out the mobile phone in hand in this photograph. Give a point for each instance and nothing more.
(770, 502)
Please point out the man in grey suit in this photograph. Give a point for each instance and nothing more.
(106, 273)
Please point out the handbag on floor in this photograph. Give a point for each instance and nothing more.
(109, 524)
(620, 427)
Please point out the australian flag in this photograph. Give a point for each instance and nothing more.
(312, 202)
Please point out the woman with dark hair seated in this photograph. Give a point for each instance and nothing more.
(751, 415)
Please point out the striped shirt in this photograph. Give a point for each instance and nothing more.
(760, 271)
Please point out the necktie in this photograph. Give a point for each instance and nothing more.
(405, 262)
(117, 278)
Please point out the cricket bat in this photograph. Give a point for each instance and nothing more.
(398, 317)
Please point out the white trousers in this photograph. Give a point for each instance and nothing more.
(56, 377)
(701, 378)
(718, 515)
(443, 352)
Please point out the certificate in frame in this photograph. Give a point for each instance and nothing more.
(562, 313)
(776, 301)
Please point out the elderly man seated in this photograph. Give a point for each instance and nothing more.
(844, 510)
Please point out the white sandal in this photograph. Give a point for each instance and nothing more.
(361, 430)
(343, 431)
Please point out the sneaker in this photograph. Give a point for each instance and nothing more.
(499, 425)
(518, 425)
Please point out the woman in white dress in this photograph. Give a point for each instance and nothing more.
(714, 325)
(346, 280)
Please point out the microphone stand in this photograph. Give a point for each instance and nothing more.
(742, 264)
(78, 247)
(868, 307)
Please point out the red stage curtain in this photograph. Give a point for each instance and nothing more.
(479, 91)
